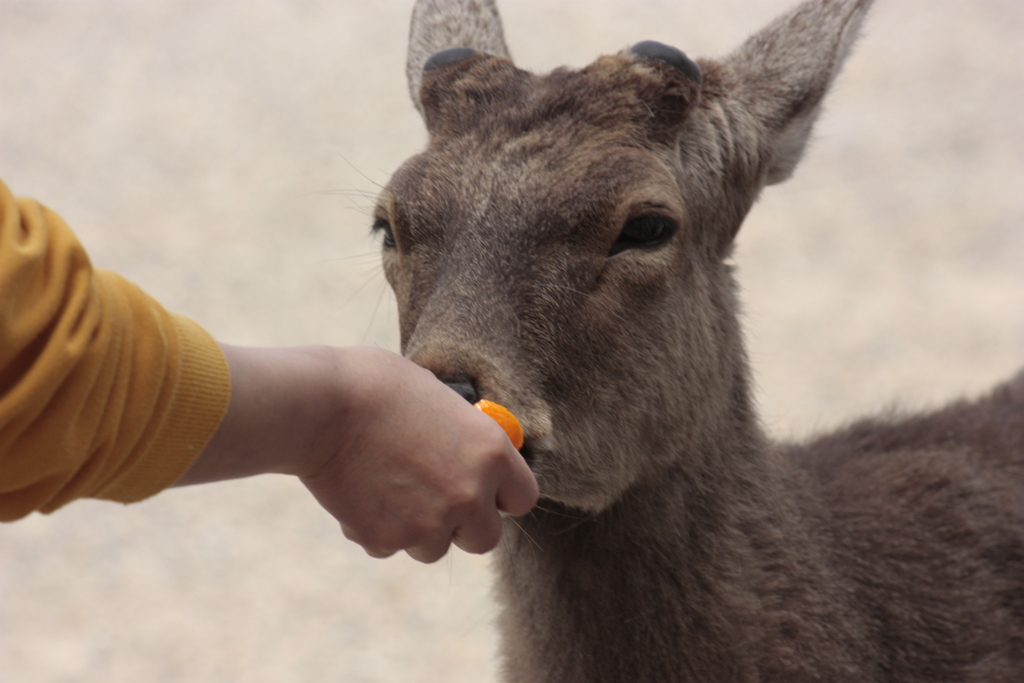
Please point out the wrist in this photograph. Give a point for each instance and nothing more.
(283, 405)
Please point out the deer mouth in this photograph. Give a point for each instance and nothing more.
(527, 452)
(537, 450)
(465, 387)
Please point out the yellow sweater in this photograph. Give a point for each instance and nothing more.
(103, 393)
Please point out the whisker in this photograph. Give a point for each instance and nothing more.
(575, 521)
(358, 171)
(351, 257)
(354, 192)
(363, 209)
(528, 536)
(351, 195)
(358, 289)
(511, 548)
(561, 513)
(376, 308)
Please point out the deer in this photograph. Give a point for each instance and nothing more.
(561, 246)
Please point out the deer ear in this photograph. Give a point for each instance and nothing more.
(785, 70)
(438, 25)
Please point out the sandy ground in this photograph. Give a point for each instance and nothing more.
(224, 155)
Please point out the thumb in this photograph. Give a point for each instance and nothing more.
(517, 492)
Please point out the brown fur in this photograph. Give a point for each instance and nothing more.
(673, 541)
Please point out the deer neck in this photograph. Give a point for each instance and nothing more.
(668, 584)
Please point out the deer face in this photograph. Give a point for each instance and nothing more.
(543, 250)
(559, 246)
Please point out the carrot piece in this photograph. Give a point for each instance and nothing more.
(505, 419)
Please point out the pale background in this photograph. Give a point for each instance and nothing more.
(224, 155)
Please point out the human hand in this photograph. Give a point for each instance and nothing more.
(401, 460)
(417, 466)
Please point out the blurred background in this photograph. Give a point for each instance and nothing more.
(225, 156)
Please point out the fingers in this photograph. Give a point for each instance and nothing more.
(371, 550)
(428, 553)
(417, 468)
(480, 533)
(517, 493)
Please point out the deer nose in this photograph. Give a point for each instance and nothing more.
(462, 371)
(463, 386)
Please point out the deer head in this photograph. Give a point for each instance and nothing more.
(561, 244)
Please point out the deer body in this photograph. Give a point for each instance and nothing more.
(560, 247)
(889, 552)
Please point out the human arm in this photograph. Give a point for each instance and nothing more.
(104, 394)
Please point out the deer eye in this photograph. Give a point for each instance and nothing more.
(382, 226)
(648, 230)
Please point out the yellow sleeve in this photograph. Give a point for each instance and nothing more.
(103, 393)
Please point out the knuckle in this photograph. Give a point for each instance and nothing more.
(465, 497)
(426, 527)
(428, 554)
(496, 457)
(383, 537)
(480, 539)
